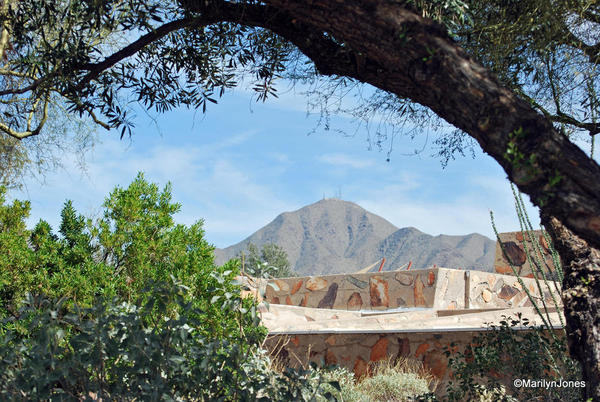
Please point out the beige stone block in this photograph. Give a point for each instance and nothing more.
(316, 283)
(486, 295)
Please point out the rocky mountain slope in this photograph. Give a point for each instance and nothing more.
(335, 236)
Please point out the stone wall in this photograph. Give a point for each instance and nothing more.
(505, 291)
(457, 303)
(514, 244)
(356, 351)
(438, 288)
(369, 291)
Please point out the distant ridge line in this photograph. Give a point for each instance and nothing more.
(336, 236)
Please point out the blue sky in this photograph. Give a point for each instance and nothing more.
(243, 163)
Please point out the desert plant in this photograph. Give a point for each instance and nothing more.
(400, 381)
(514, 348)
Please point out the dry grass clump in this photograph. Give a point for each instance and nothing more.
(401, 380)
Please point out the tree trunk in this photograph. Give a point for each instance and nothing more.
(581, 299)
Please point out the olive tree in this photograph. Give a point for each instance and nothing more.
(187, 52)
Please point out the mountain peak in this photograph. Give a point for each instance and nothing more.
(337, 236)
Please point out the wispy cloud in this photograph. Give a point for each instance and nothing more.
(230, 194)
(455, 214)
(344, 160)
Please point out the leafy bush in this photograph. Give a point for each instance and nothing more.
(123, 351)
(98, 311)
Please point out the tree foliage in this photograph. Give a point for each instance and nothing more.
(97, 58)
(67, 49)
(270, 261)
(136, 241)
(547, 52)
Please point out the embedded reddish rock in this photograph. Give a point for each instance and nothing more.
(379, 292)
(379, 350)
(329, 299)
(296, 287)
(418, 292)
(504, 269)
(345, 358)
(275, 300)
(435, 361)
(515, 253)
(278, 286)
(360, 368)
(283, 286)
(316, 284)
(430, 278)
(330, 358)
(295, 340)
(288, 300)
(404, 347)
(304, 300)
(354, 302)
(330, 340)
(507, 292)
(421, 349)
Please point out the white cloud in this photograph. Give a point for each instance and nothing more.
(208, 180)
(455, 215)
(344, 160)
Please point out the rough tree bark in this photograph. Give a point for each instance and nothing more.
(581, 298)
(389, 45)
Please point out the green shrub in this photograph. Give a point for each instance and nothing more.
(403, 381)
(123, 351)
(270, 261)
